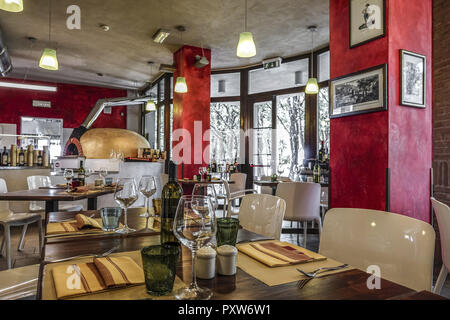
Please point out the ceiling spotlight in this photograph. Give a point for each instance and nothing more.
(161, 35)
(104, 27)
(201, 62)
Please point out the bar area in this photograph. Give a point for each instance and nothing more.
(249, 150)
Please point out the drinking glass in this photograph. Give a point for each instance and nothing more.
(227, 231)
(147, 186)
(103, 172)
(160, 266)
(194, 226)
(280, 170)
(125, 195)
(204, 189)
(68, 175)
(110, 218)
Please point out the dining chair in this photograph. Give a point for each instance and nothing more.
(323, 201)
(9, 219)
(401, 247)
(229, 196)
(442, 212)
(302, 204)
(36, 182)
(266, 190)
(262, 214)
(164, 179)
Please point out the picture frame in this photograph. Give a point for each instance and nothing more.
(413, 76)
(358, 93)
(367, 21)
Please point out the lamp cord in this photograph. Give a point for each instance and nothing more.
(49, 21)
(312, 53)
(246, 16)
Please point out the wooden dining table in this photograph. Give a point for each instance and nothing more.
(53, 196)
(340, 286)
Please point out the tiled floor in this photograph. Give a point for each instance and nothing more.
(30, 254)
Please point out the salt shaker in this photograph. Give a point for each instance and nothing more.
(206, 263)
(226, 260)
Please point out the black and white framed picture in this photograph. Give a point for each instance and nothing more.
(413, 70)
(367, 21)
(361, 92)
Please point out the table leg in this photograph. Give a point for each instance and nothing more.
(274, 191)
(92, 204)
(50, 206)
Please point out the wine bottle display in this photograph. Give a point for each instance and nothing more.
(171, 195)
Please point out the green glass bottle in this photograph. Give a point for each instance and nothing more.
(81, 175)
(171, 195)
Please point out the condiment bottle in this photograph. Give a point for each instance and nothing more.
(226, 260)
(206, 263)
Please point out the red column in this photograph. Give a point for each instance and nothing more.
(362, 147)
(191, 110)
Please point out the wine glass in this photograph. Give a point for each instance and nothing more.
(297, 172)
(280, 170)
(194, 226)
(125, 195)
(147, 186)
(103, 173)
(68, 175)
(204, 189)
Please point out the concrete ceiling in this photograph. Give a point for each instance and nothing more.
(121, 54)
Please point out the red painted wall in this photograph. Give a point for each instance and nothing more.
(358, 144)
(399, 138)
(193, 105)
(72, 103)
(410, 129)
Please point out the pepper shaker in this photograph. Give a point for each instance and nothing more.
(206, 263)
(226, 260)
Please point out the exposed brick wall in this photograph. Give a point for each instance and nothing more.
(441, 112)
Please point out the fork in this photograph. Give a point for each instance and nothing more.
(101, 255)
(311, 275)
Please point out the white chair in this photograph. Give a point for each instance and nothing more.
(402, 247)
(266, 190)
(302, 204)
(323, 201)
(262, 214)
(234, 192)
(442, 212)
(9, 219)
(36, 182)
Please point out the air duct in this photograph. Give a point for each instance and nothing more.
(5, 60)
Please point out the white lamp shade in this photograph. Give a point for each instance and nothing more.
(150, 106)
(312, 87)
(181, 85)
(11, 5)
(49, 60)
(246, 47)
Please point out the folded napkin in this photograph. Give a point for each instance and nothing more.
(99, 275)
(80, 223)
(276, 253)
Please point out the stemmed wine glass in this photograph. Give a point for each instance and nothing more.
(147, 186)
(297, 170)
(103, 173)
(125, 195)
(68, 175)
(204, 189)
(280, 170)
(194, 226)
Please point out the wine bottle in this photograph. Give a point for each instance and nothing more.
(4, 157)
(21, 158)
(39, 161)
(171, 195)
(81, 174)
(322, 152)
(317, 172)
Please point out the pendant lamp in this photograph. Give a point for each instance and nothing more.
(181, 85)
(11, 5)
(312, 87)
(49, 59)
(246, 47)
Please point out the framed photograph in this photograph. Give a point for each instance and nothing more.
(413, 71)
(361, 92)
(367, 21)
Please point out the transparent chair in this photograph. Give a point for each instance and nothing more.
(234, 192)
(402, 247)
(36, 182)
(442, 212)
(262, 214)
(302, 204)
(9, 219)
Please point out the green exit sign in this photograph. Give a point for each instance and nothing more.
(272, 63)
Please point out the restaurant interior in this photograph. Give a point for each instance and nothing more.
(224, 150)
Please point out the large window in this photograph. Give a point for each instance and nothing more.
(263, 162)
(225, 129)
(290, 133)
(324, 116)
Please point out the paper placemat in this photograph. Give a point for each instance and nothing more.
(282, 275)
(129, 293)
